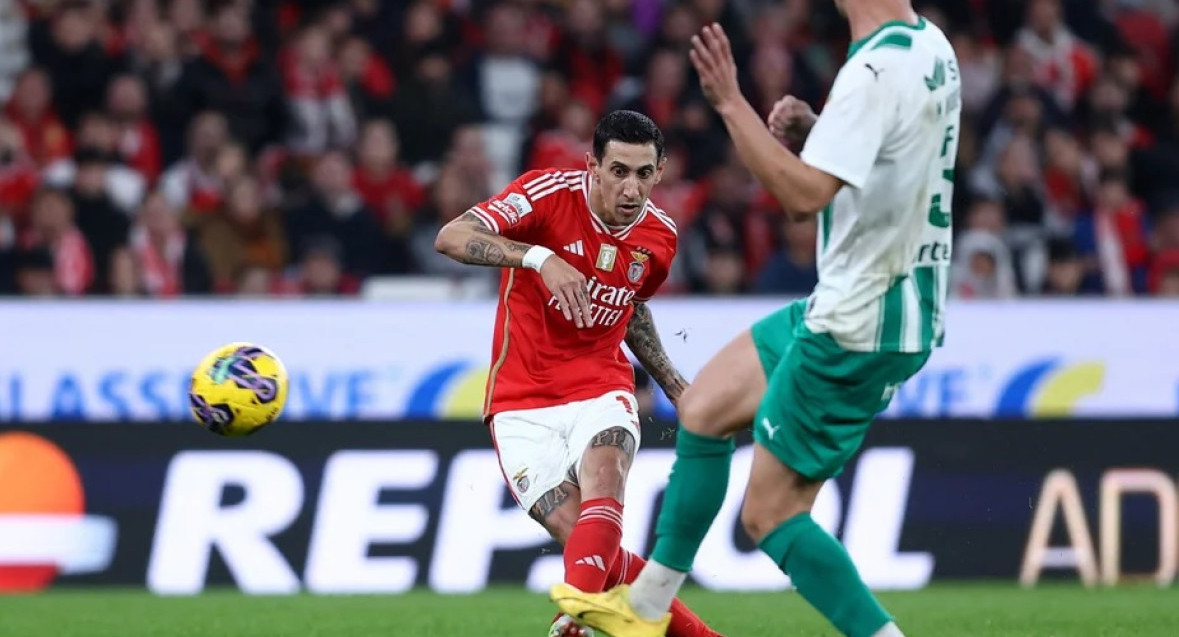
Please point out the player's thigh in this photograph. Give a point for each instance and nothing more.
(604, 438)
(725, 395)
(530, 445)
(821, 399)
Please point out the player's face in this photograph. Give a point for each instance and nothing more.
(625, 176)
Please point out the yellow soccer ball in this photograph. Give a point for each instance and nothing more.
(238, 389)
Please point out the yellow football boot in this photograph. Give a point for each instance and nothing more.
(609, 612)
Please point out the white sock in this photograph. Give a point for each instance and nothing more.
(890, 630)
(654, 589)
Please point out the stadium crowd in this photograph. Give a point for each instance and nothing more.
(267, 147)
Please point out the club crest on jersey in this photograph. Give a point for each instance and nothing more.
(607, 255)
(521, 479)
(637, 267)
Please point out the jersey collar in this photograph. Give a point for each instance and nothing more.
(859, 44)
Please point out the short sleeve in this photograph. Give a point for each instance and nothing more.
(850, 132)
(512, 211)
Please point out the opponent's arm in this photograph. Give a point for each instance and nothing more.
(643, 339)
(468, 240)
(799, 188)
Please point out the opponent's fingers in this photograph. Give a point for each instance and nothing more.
(725, 47)
(706, 58)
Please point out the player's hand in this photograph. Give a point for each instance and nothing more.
(712, 55)
(791, 119)
(568, 285)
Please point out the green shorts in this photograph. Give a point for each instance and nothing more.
(820, 398)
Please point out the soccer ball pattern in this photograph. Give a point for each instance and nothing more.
(238, 389)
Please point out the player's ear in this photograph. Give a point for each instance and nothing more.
(659, 168)
(591, 162)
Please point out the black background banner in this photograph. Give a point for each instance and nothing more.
(972, 495)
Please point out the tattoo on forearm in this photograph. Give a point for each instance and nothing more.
(489, 248)
(643, 339)
(548, 503)
(616, 437)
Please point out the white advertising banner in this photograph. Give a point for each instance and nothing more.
(370, 360)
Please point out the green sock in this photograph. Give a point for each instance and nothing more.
(824, 575)
(699, 480)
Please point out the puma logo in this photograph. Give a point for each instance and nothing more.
(875, 73)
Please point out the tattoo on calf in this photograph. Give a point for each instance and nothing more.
(616, 437)
(548, 503)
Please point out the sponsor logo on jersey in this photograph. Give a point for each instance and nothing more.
(637, 267)
(607, 255)
(519, 203)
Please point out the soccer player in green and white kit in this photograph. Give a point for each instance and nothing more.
(878, 169)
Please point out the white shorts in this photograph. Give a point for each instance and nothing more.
(540, 448)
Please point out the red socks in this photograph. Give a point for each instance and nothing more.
(684, 623)
(595, 561)
(593, 545)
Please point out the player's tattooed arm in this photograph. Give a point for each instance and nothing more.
(467, 240)
(643, 339)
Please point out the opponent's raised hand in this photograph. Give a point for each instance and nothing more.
(712, 55)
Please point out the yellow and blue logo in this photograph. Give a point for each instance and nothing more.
(1050, 388)
(453, 390)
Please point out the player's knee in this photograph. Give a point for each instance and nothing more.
(603, 472)
(698, 413)
(760, 518)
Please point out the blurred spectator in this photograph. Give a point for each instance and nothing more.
(337, 211)
(14, 51)
(367, 78)
(67, 46)
(137, 142)
(103, 224)
(321, 113)
(791, 270)
(32, 110)
(233, 77)
(193, 184)
(320, 272)
(18, 182)
(97, 138)
(982, 267)
(565, 146)
(429, 107)
(1113, 237)
(243, 234)
(158, 63)
(585, 56)
(35, 273)
(506, 80)
(390, 190)
(664, 85)
(53, 230)
(167, 261)
(1066, 270)
(644, 393)
(1062, 63)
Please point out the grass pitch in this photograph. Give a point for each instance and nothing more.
(942, 611)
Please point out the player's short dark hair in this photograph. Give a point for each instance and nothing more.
(627, 127)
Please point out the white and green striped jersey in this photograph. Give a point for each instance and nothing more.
(890, 132)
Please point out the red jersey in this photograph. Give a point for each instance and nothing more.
(539, 358)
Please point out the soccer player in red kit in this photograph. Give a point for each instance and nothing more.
(582, 252)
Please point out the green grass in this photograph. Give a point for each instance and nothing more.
(942, 611)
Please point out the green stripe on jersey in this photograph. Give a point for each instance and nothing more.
(859, 44)
(825, 224)
(894, 41)
(892, 316)
(927, 301)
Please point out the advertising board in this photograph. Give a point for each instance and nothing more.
(116, 361)
(383, 507)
